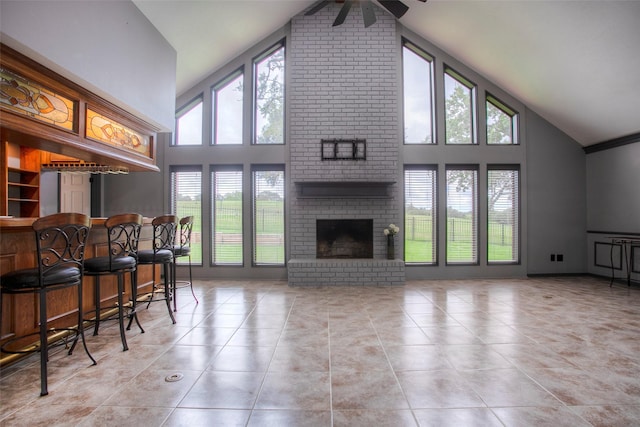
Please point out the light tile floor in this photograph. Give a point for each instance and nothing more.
(522, 352)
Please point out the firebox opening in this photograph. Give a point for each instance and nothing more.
(344, 238)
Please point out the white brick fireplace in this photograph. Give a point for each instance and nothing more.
(343, 84)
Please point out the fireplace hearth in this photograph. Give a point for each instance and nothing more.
(344, 238)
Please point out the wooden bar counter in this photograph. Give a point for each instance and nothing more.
(20, 312)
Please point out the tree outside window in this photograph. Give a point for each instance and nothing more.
(269, 99)
(459, 110)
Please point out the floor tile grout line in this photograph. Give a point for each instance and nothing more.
(266, 372)
(393, 372)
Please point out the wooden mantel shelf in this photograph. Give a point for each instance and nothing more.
(343, 189)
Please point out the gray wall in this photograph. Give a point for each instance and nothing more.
(613, 206)
(108, 47)
(556, 194)
(245, 155)
(613, 189)
(145, 193)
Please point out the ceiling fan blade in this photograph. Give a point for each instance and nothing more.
(343, 13)
(317, 7)
(423, 1)
(368, 15)
(396, 7)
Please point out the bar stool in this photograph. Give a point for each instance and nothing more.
(123, 232)
(60, 242)
(164, 235)
(183, 250)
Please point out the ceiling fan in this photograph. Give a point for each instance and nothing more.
(396, 7)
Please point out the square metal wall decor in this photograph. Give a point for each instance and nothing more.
(343, 149)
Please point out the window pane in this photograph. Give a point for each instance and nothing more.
(502, 218)
(269, 98)
(420, 210)
(186, 200)
(227, 110)
(189, 126)
(226, 188)
(417, 98)
(501, 123)
(462, 216)
(458, 111)
(268, 217)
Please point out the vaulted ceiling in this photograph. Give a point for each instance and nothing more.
(573, 62)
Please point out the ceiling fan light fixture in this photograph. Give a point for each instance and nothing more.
(344, 11)
(396, 7)
(368, 14)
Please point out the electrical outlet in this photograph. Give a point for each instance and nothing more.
(553, 257)
(560, 257)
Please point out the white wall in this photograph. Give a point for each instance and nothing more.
(108, 47)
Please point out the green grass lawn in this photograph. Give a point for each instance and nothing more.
(419, 240)
(269, 221)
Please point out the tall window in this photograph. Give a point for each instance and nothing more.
(227, 110)
(502, 123)
(189, 124)
(502, 216)
(420, 243)
(226, 210)
(268, 216)
(459, 104)
(417, 69)
(269, 97)
(462, 215)
(186, 200)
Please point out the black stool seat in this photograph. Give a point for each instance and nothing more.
(30, 278)
(106, 264)
(181, 250)
(161, 256)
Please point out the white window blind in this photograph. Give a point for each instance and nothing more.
(227, 111)
(186, 200)
(226, 230)
(503, 216)
(420, 215)
(462, 216)
(268, 217)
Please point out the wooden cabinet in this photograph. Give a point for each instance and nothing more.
(23, 192)
(20, 181)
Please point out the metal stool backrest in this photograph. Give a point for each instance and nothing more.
(164, 232)
(60, 240)
(186, 227)
(124, 233)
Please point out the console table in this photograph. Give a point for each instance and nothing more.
(626, 243)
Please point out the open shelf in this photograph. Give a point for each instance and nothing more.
(21, 186)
